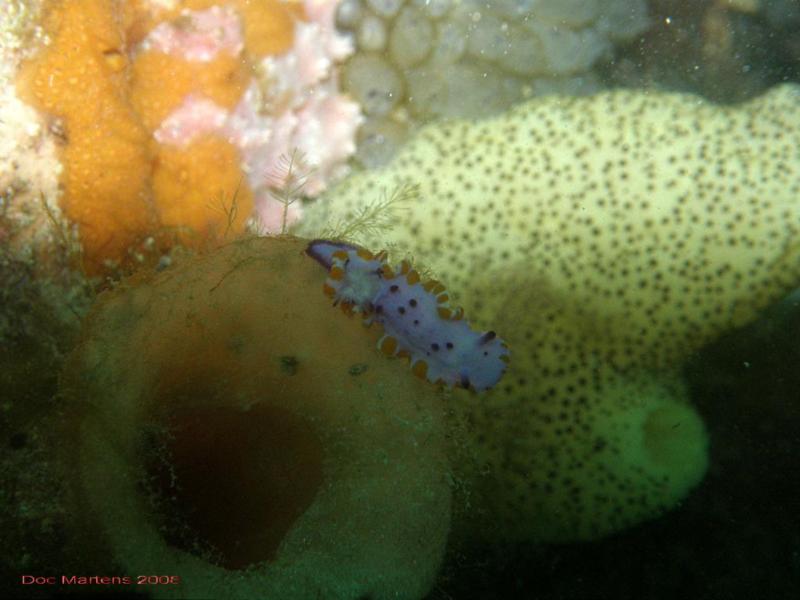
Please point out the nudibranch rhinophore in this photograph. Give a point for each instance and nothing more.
(417, 320)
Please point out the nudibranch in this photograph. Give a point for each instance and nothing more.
(418, 322)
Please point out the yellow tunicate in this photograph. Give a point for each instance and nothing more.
(605, 239)
(673, 218)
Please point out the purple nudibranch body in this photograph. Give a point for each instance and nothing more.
(418, 322)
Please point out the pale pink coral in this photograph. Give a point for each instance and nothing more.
(198, 35)
(196, 116)
(317, 47)
(309, 114)
(325, 135)
(293, 106)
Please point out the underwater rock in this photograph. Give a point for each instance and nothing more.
(235, 430)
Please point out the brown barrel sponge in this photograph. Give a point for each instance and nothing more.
(238, 432)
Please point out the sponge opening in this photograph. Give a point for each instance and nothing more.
(230, 483)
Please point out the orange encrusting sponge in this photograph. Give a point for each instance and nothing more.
(80, 78)
(268, 24)
(161, 82)
(119, 186)
(200, 190)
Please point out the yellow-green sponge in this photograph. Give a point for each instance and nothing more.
(605, 239)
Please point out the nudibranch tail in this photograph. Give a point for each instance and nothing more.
(417, 320)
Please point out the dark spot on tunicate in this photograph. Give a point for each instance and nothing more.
(486, 353)
(401, 310)
(378, 309)
(393, 288)
(18, 440)
(412, 302)
(416, 322)
(289, 365)
(434, 346)
(449, 345)
(357, 369)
